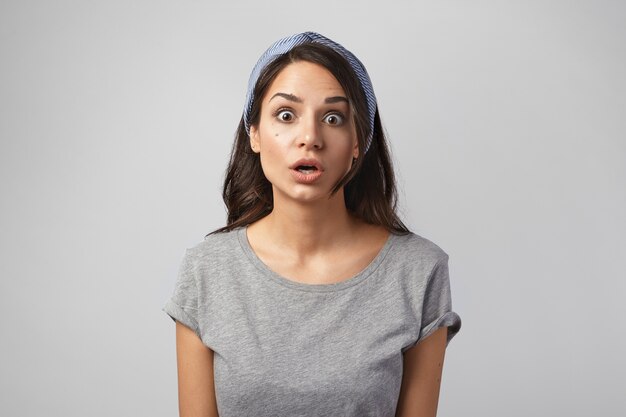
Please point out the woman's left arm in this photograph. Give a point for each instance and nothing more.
(421, 377)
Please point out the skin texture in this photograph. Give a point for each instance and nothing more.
(421, 379)
(196, 390)
(309, 236)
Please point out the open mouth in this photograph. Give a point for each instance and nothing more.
(306, 169)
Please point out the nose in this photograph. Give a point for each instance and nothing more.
(310, 135)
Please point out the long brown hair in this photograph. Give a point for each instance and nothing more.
(369, 187)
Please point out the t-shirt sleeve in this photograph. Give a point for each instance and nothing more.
(437, 305)
(183, 304)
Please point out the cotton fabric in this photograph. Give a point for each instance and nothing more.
(285, 348)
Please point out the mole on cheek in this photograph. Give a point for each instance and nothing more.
(276, 134)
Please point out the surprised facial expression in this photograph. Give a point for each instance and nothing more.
(306, 136)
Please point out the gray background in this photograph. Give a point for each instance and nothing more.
(506, 121)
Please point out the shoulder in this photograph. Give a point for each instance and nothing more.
(216, 259)
(413, 246)
(214, 246)
(412, 261)
(413, 258)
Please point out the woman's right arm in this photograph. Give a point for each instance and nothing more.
(196, 388)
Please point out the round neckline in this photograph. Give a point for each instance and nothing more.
(337, 286)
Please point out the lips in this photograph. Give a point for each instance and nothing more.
(306, 170)
(306, 165)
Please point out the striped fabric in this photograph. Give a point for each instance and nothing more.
(285, 45)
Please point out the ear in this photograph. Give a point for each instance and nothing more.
(355, 150)
(254, 139)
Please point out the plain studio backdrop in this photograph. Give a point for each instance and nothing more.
(507, 125)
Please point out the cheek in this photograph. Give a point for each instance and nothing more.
(278, 130)
(273, 151)
(276, 137)
(343, 143)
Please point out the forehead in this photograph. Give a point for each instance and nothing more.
(305, 78)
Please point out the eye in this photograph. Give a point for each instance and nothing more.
(285, 115)
(334, 119)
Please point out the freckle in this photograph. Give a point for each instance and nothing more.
(275, 134)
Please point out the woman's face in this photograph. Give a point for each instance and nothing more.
(306, 136)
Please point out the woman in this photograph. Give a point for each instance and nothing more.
(314, 299)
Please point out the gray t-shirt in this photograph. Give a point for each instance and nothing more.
(285, 348)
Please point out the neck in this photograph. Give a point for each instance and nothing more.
(305, 228)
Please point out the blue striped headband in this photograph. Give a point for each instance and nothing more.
(284, 45)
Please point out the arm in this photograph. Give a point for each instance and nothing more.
(421, 378)
(196, 390)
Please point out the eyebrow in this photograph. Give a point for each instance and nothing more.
(291, 97)
(335, 99)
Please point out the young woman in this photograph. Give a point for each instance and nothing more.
(314, 299)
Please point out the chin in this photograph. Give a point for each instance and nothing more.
(305, 196)
(309, 197)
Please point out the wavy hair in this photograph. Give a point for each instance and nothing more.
(369, 186)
